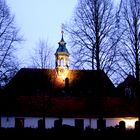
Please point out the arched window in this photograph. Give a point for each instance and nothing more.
(62, 62)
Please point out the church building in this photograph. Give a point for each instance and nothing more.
(75, 96)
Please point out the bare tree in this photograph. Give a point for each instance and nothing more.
(93, 36)
(42, 55)
(130, 43)
(94, 40)
(9, 36)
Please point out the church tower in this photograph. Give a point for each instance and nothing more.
(62, 58)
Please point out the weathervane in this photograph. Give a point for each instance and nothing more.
(62, 27)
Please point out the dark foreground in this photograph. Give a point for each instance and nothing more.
(65, 133)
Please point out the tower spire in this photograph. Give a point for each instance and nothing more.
(62, 38)
(62, 56)
(62, 32)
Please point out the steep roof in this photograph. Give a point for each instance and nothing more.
(31, 93)
(130, 82)
(62, 47)
(30, 81)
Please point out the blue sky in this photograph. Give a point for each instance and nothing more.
(40, 19)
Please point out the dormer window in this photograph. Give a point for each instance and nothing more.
(129, 92)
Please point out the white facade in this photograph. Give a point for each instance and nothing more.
(32, 122)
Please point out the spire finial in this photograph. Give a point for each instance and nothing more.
(62, 27)
(62, 32)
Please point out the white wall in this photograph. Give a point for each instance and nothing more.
(112, 121)
(49, 122)
(68, 121)
(32, 122)
(92, 123)
(7, 122)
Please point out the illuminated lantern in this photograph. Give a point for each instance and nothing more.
(62, 59)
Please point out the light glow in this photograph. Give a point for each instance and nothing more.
(63, 74)
(130, 122)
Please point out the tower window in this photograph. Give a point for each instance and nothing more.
(62, 62)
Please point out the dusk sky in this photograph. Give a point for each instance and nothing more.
(40, 19)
